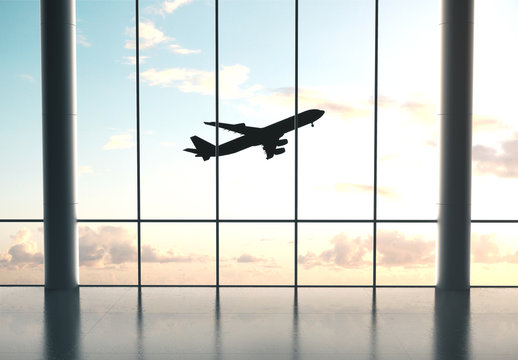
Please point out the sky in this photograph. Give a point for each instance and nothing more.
(256, 77)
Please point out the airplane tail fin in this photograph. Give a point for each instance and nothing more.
(204, 149)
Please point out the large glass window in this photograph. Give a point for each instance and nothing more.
(106, 110)
(177, 88)
(351, 200)
(21, 195)
(495, 140)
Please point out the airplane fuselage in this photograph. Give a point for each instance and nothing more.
(269, 136)
(277, 130)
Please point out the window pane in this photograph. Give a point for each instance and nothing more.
(177, 96)
(108, 254)
(335, 254)
(408, 88)
(494, 254)
(106, 110)
(336, 74)
(406, 254)
(495, 126)
(21, 253)
(21, 183)
(256, 88)
(179, 254)
(256, 254)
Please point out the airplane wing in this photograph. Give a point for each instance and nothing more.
(238, 128)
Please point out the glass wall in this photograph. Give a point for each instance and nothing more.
(351, 200)
(495, 139)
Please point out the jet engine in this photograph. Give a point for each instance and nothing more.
(279, 151)
(282, 142)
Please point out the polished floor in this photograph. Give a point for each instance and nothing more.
(258, 323)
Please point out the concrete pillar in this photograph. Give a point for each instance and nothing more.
(58, 67)
(453, 253)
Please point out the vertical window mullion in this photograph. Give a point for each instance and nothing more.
(375, 183)
(216, 70)
(296, 140)
(137, 88)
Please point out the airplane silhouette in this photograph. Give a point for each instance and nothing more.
(269, 137)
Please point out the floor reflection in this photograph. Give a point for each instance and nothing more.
(452, 325)
(373, 331)
(62, 314)
(295, 332)
(234, 324)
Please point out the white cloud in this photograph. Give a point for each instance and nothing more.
(345, 252)
(168, 7)
(153, 255)
(485, 249)
(484, 124)
(85, 169)
(23, 253)
(26, 77)
(114, 245)
(232, 79)
(247, 258)
(499, 162)
(350, 187)
(188, 80)
(132, 60)
(149, 36)
(109, 245)
(177, 49)
(393, 249)
(82, 40)
(121, 141)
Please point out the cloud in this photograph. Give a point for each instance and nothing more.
(149, 36)
(132, 60)
(82, 40)
(349, 187)
(419, 109)
(187, 80)
(177, 49)
(121, 141)
(85, 169)
(108, 245)
(499, 162)
(23, 253)
(330, 99)
(168, 7)
(232, 79)
(485, 249)
(423, 111)
(114, 245)
(152, 255)
(486, 124)
(26, 77)
(344, 252)
(394, 249)
(247, 258)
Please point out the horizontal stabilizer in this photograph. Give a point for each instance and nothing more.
(204, 149)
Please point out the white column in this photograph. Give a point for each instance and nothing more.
(453, 267)
(58, 67)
